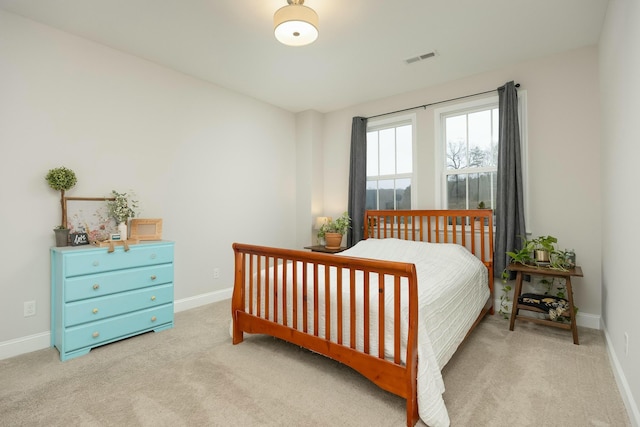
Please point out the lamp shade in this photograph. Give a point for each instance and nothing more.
(295, 24)
(320, 221)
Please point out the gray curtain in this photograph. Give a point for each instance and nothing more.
(510, 225)
(357, 180)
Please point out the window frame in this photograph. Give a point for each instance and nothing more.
(393, 122)
(487, 102)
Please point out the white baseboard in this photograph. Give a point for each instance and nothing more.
(586, 320)
(202, 299)
(625, 391)
(22, 345)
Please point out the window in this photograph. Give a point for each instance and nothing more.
(390, 163)
(467, 152)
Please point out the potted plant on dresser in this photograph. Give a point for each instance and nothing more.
(61, 179)
(122, 208)
(333, 230)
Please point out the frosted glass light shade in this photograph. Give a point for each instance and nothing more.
(295, 25)
(320, 221)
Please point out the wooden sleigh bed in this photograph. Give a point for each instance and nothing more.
(366, 312)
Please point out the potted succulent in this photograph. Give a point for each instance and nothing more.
(61, 179)
(333, 230)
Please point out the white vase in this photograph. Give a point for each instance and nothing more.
(122, 229)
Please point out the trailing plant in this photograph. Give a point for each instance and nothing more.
(122, 207)
(560, 286)
(558, 260)
(545, 243)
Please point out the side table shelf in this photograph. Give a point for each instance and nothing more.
(321, 248)
(547, 272)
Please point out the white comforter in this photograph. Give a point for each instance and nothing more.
(452, 290)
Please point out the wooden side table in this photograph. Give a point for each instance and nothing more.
(548, 272)
(321, 248)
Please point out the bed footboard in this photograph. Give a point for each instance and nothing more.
(348, 309)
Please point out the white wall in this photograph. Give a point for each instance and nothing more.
(206, 160)
(620, 88)
(564, 156)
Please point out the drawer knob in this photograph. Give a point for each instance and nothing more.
(153, 318)
(96, 287)
(95, 334)
(95, 311)
(153, 256)
(96, 263)
(153, 277)
(153, 298)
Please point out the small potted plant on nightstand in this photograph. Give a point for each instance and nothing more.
(61, 179)
(543, 247)
(333, 230)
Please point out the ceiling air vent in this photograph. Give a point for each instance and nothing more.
(420, 57)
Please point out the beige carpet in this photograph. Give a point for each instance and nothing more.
(191, 375)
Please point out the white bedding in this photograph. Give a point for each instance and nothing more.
(452, 290)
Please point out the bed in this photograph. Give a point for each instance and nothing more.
(394, 307)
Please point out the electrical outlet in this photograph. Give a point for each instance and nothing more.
(29, 308)
(216, 273)
(626, 344)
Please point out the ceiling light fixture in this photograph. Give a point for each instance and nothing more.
(295, 24)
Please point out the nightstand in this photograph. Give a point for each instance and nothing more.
(321, 248)
(548, 272)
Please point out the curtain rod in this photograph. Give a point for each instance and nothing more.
(434, 103)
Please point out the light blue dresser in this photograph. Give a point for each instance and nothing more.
(99, 297)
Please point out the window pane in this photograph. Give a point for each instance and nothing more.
(372, 195)
(456, 137)
(403, 149)
(482, 189)
(386, 194)
(457, 191)
(372, 153)
(387, 152)
(403, 193)
(479, 138)
(494, 137)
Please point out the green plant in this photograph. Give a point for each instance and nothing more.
(545, 243)
(122, 207)
(339, 225)
(504, 299)
(481, 205)
(61, 179)
(560, 286)
(558, 260)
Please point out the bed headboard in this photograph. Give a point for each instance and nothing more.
(471, 228)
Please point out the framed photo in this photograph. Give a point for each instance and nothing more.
(146, 228)
(90, 215)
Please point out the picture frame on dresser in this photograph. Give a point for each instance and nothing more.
(146, 228)
(90, 215)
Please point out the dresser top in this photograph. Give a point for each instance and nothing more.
(145, 243)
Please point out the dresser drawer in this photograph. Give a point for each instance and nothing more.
(100, 260)
(95, 333)
(83, 287)
(125, 302)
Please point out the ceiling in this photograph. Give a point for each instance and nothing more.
(359, 55)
